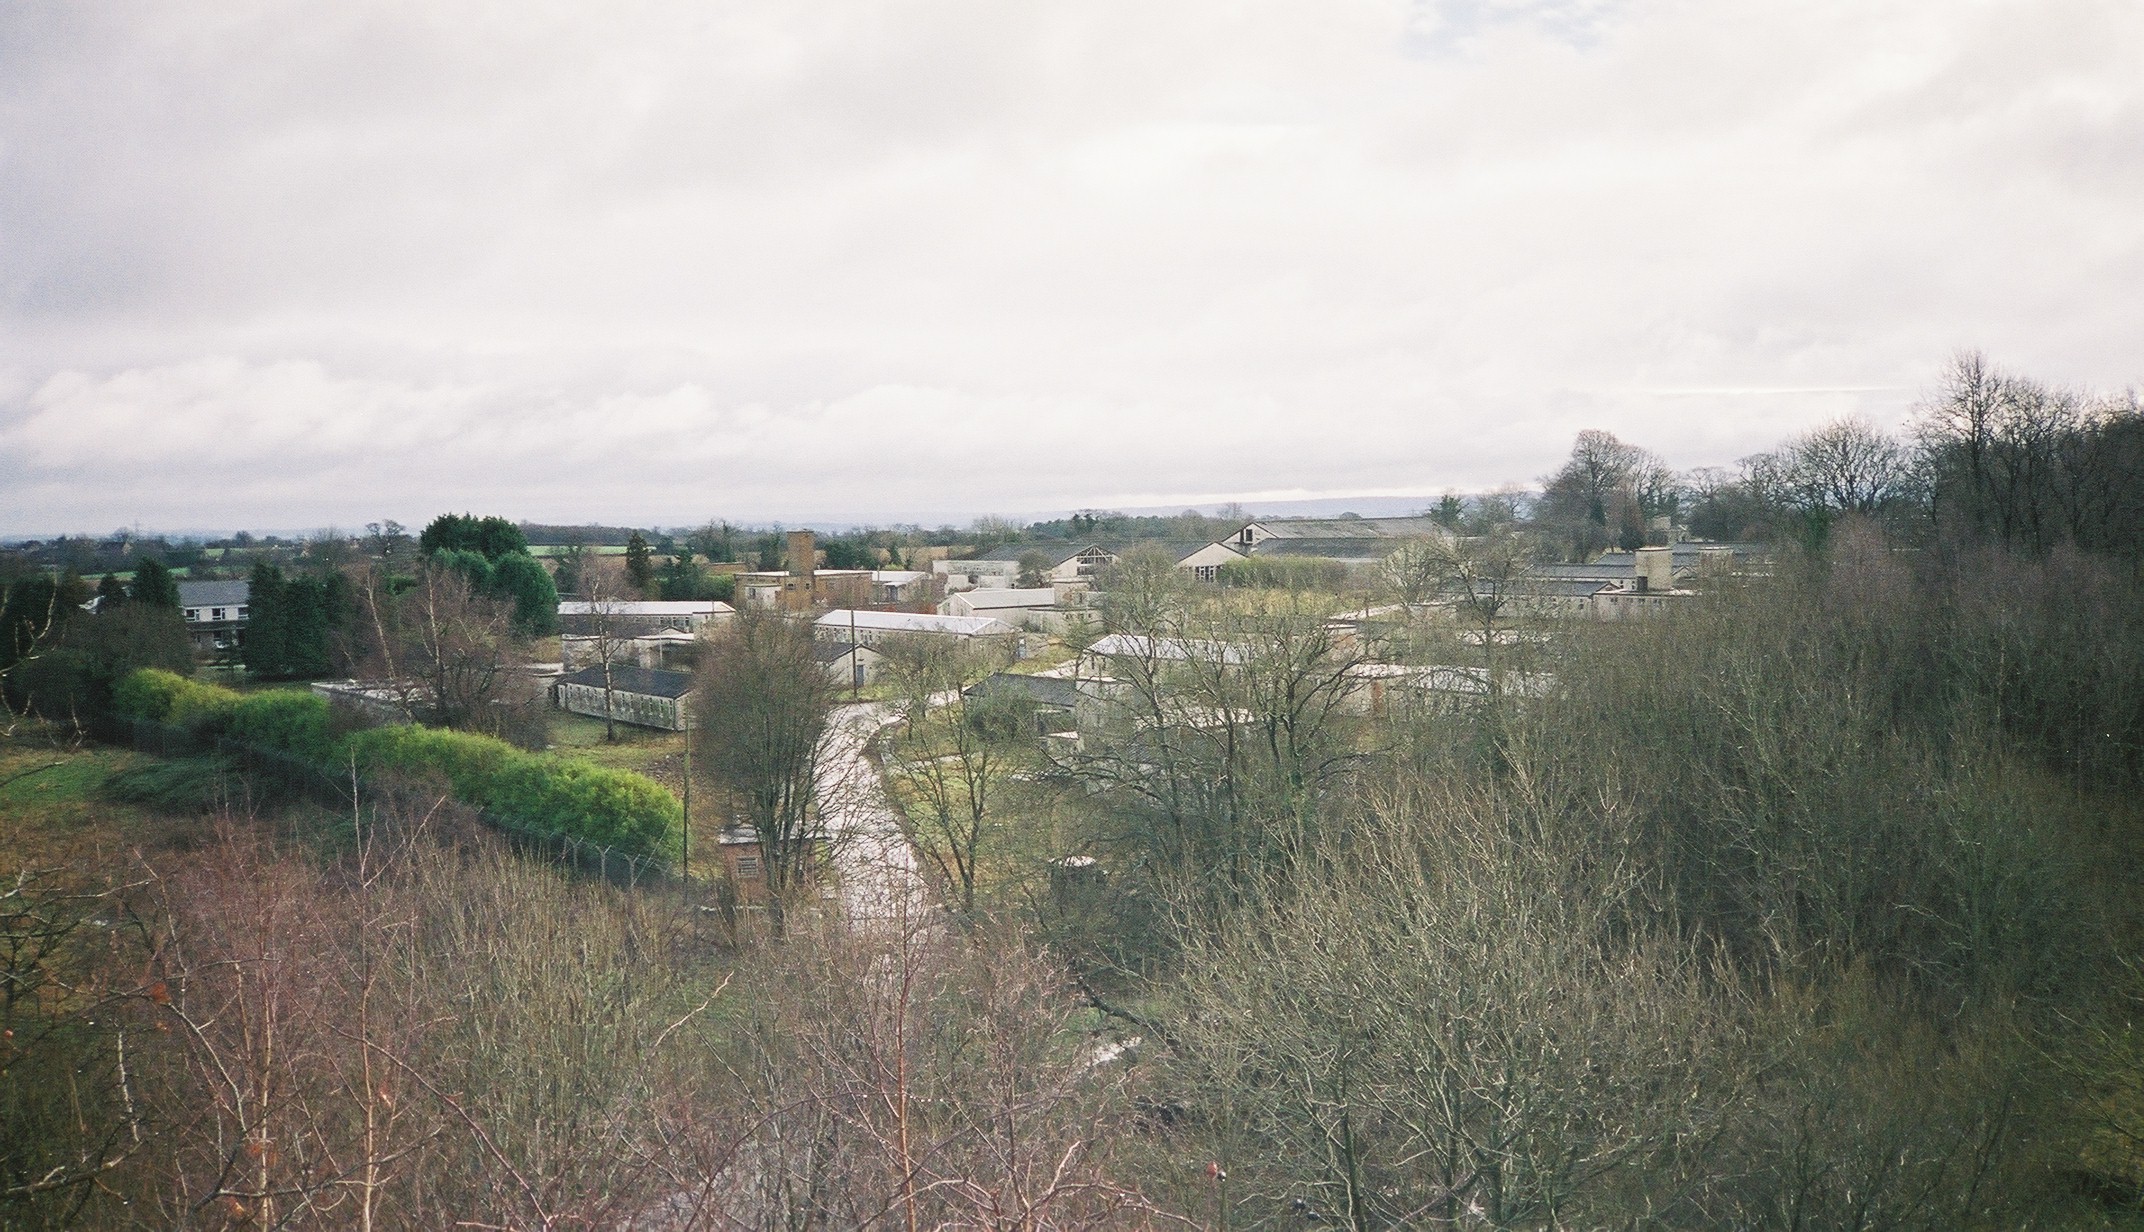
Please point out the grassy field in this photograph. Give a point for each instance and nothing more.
(659, 755)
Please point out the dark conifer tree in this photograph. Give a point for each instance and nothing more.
(154, 585)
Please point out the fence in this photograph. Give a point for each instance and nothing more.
(342, 788)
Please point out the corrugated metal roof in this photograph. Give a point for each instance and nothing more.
(913, 622)
(1351, 528)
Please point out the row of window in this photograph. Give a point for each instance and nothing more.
(214, 613)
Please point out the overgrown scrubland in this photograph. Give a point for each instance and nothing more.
(1813, 905)
(1807, 908)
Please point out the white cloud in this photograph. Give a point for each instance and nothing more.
(271, 266)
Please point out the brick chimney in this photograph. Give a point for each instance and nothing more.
(803, 571)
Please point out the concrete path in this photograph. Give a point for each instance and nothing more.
(880, 886)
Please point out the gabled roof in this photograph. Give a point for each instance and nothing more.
(1369, 547)
(835, 652)
(1350, 528)
(841, 619)
(1174, 549)
(1058, 551)
(625, 678)
(214, 594)
(1167, 649)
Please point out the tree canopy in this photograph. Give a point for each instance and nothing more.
(154, 585)
(491, 537)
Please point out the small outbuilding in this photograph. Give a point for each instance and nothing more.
(849, 666)
(641, 696)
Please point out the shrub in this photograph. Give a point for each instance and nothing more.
(157, 696)
(551, 795)
(287, 722)
(547, 794)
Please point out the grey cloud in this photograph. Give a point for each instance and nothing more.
(659, 262)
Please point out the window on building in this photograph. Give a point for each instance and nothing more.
(216, 614)
(241, 613)
(193, 613)
(748, 866)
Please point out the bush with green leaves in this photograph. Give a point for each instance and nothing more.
(288, 722)
(157, 696)
(551, 795)
(537, 792)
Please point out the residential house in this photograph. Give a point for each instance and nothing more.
(215, 614)
(641, 696)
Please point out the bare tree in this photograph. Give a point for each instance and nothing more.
(1594, 499)
(607, 638)
(447, 655)
(1846, 466)
(1224, 735)
(1486, 580)
(952, 756)
(763, 705)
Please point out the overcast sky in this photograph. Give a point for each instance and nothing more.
(283, 265)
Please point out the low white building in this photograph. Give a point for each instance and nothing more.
(901, 585)
(640, 696)
(1009, 605)
(667, 648)
(873, 628)
(634, 617)
(962, 575)
(848, 665)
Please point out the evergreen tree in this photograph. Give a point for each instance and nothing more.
(490, 537)
(305, 631)
(639, 564)
(111, 592)
(295, 625)
(468, 562)
(518, 578)
(267, 640)
(154, 585)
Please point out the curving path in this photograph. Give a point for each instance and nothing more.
(873, 863)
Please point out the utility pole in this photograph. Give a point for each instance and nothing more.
(685, 715)
(856, 661)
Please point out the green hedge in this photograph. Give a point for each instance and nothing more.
(166, 697)
(552, 795)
